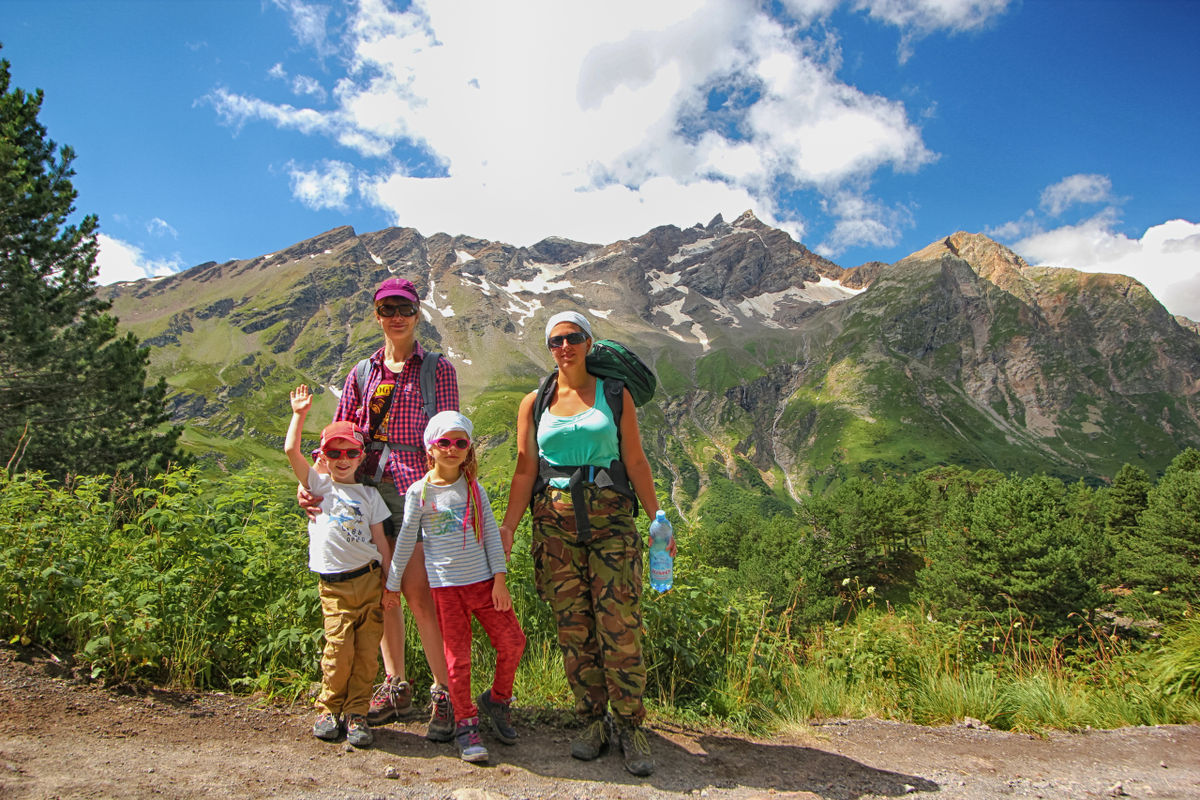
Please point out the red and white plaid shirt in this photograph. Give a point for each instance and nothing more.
(406, 418)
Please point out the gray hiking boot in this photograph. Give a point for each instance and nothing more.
(441, 720)
(500, 715)
(636, 748)
(392, 700)
(593, 741)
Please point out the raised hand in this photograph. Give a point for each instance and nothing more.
(301, 399)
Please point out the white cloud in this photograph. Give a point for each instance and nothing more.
(308, 23)
(304, 85)
(926, 16)
(1076, 190)
(591, 120)
(160, 227)
(122, 261)
(1166, 258)
(326, 186)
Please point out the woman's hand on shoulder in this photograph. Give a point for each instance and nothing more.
(311, 503)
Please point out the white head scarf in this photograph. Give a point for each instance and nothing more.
(573, 317)
(442, 423)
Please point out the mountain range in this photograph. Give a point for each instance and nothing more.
(778, 369)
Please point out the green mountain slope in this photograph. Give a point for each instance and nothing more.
(778, 370)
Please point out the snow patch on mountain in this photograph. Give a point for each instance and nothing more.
(463, 256)
(538, 285)
(523, 310)
(375, 258)
(694, 249)
(661, 281)
(479, 282)
(824, 291)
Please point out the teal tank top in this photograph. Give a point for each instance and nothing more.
(589, 437)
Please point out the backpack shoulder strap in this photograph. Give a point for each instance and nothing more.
(545, 391)
(360, 376)
(429, 366)
(614, 393)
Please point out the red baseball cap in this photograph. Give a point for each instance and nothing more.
(397, 287)
(341, 430)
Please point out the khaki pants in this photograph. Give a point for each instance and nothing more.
(353, 627)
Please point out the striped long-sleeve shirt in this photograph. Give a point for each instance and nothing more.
(453, 555)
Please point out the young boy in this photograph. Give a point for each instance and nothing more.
(347, 549)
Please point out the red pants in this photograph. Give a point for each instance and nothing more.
(455, 605)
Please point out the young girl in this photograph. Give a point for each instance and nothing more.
(465, 562)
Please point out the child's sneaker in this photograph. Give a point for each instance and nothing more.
(500, 715)
(391, 701)
(327, 727)
(357, 732)
(470, 746)
(441, 721)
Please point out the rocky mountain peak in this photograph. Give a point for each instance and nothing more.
(748, 220)
(987, 258)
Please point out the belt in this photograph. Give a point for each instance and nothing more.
(338, 577)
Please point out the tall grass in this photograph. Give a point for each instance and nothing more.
(198, 583)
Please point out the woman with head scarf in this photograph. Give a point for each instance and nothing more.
(579, 471)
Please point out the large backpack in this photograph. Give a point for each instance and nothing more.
(610, 359)
(428, 382)
(620, 368)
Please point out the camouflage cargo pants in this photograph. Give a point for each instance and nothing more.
(594, 589)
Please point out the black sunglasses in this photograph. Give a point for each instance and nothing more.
(390, 310)
(576, 337)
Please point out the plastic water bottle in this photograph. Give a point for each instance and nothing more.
(662, 565)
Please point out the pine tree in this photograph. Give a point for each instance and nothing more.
(1164, 556)
(1125, 501)
(73, 394)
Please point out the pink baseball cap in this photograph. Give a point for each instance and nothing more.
(397, 287)
(341, 430)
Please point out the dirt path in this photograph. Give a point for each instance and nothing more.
(60, 738)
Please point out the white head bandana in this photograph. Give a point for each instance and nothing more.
(442, 423)
(573, 317)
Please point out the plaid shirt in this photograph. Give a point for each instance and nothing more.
(406, 418)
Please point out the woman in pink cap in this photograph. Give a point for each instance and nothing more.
(384, 397)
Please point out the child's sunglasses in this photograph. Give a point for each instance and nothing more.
(392, 309)
(576, 337)
(445, 443)
(335, 453)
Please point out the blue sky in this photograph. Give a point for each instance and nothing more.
(222, 129)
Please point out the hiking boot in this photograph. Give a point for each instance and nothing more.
(357, 732)
(636, 748)
(327, 727)
(441, 720)
(470, 746)
(391, 701)
(500, 715)
(593, 741)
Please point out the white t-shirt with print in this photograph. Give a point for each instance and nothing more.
(339, 539)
